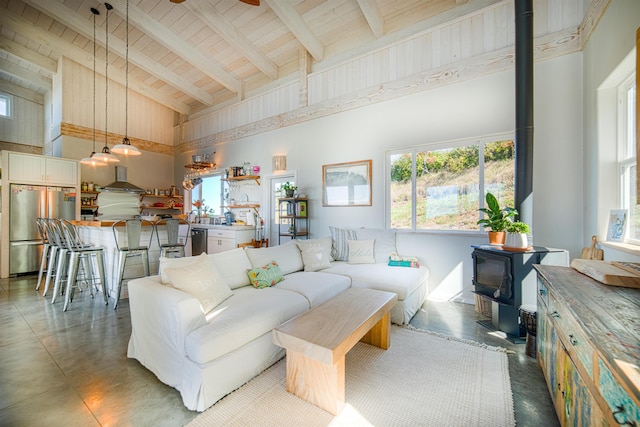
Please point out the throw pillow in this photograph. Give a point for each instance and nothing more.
(165, 263)
(339, 245)
(316, 253)
(202, 280)
(361, 252)
(265, 276)
(385, 241)
(286, 255)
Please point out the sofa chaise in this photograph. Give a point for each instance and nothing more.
(208, 347)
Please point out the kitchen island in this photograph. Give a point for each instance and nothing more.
(100, 233)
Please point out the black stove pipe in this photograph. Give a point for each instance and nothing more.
(524, 109)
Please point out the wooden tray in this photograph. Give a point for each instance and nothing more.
(512, 249)
(607, 272)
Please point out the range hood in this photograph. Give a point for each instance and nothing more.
(121, 184)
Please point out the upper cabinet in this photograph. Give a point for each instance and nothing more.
(32, 169)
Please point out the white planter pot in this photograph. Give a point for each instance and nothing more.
(516, 240)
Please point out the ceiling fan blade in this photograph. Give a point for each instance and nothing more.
(251, 2)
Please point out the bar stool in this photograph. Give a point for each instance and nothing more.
(128, 245)
(46, 250)
(58, 258)
(79, 251)
(176, 239)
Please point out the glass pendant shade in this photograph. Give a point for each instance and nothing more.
(126, 148)
(106, 156)
(92, 160)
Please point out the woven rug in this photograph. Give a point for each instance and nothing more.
(423, 379)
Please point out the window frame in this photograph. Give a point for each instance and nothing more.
(9, 100)
(480, 141)
(626, 152)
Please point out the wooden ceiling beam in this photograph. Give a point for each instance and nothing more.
(19, 51)
(298, 27)
(171, 41)
(22, 92)
(83, 26)
(372, 14)
(61, 47)
(26, 75)
(210, 16)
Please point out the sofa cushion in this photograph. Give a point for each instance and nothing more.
(385, 241)
(339, 245)
(202, 280)
(316, 286)
(287, 256)
(401, 280)
(248, 314)
(361, 252)
(316, 253)
(265, 276)
(233, 266)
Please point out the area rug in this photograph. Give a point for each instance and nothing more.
(423, 379)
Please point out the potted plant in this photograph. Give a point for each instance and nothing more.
(497, 219)
(288, 189)
(517, 235)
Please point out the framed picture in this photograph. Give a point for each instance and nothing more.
(347, 184)
(617, 225)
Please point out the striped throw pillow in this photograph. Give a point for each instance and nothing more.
(339, 243)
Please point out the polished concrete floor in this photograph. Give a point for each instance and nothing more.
(70, 368)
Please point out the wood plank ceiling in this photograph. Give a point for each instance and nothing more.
(198, 54)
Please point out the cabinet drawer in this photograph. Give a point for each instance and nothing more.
(543, 292)
(624, 409)
(224, 234)
(572, 335)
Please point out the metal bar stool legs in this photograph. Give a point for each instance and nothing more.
(74, 263)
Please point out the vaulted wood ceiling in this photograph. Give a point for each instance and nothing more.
(199, 54)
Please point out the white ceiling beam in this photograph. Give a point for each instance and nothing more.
(178, 46)
(23, 74)
(372, 14)
(298, 27)
(62, 47)
(210, 16)
(34, 58)
(82, 25)
(22, 92)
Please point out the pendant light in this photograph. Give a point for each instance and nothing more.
(125, 147)
(92, 160)
(106, 155)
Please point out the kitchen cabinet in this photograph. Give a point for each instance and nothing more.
(294, 219)
(220, 239)
(150, 204)
(588, 347)
(27, 169)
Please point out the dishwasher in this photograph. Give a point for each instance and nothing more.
(198, 241)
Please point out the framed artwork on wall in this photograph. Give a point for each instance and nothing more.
(617, 225)
(347, 184)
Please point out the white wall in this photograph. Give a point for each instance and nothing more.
(482, 106)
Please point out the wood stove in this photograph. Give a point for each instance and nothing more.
(509, 280)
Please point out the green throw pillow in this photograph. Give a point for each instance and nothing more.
(265, 276)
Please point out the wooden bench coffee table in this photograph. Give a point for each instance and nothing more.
(318, 340)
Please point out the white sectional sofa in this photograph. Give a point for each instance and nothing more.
(206, 356)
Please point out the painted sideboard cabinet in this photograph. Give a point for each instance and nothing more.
(588, 342)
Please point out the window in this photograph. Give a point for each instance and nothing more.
(211, 194)
(438, 187)
(5, 105)
(627, 155)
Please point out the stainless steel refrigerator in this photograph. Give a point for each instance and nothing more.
(26, 203)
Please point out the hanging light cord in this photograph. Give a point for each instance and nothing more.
(126, 77)
(95, 13)
(106, 75)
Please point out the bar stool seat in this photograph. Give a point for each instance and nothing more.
(129, 245)
(176, 239)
